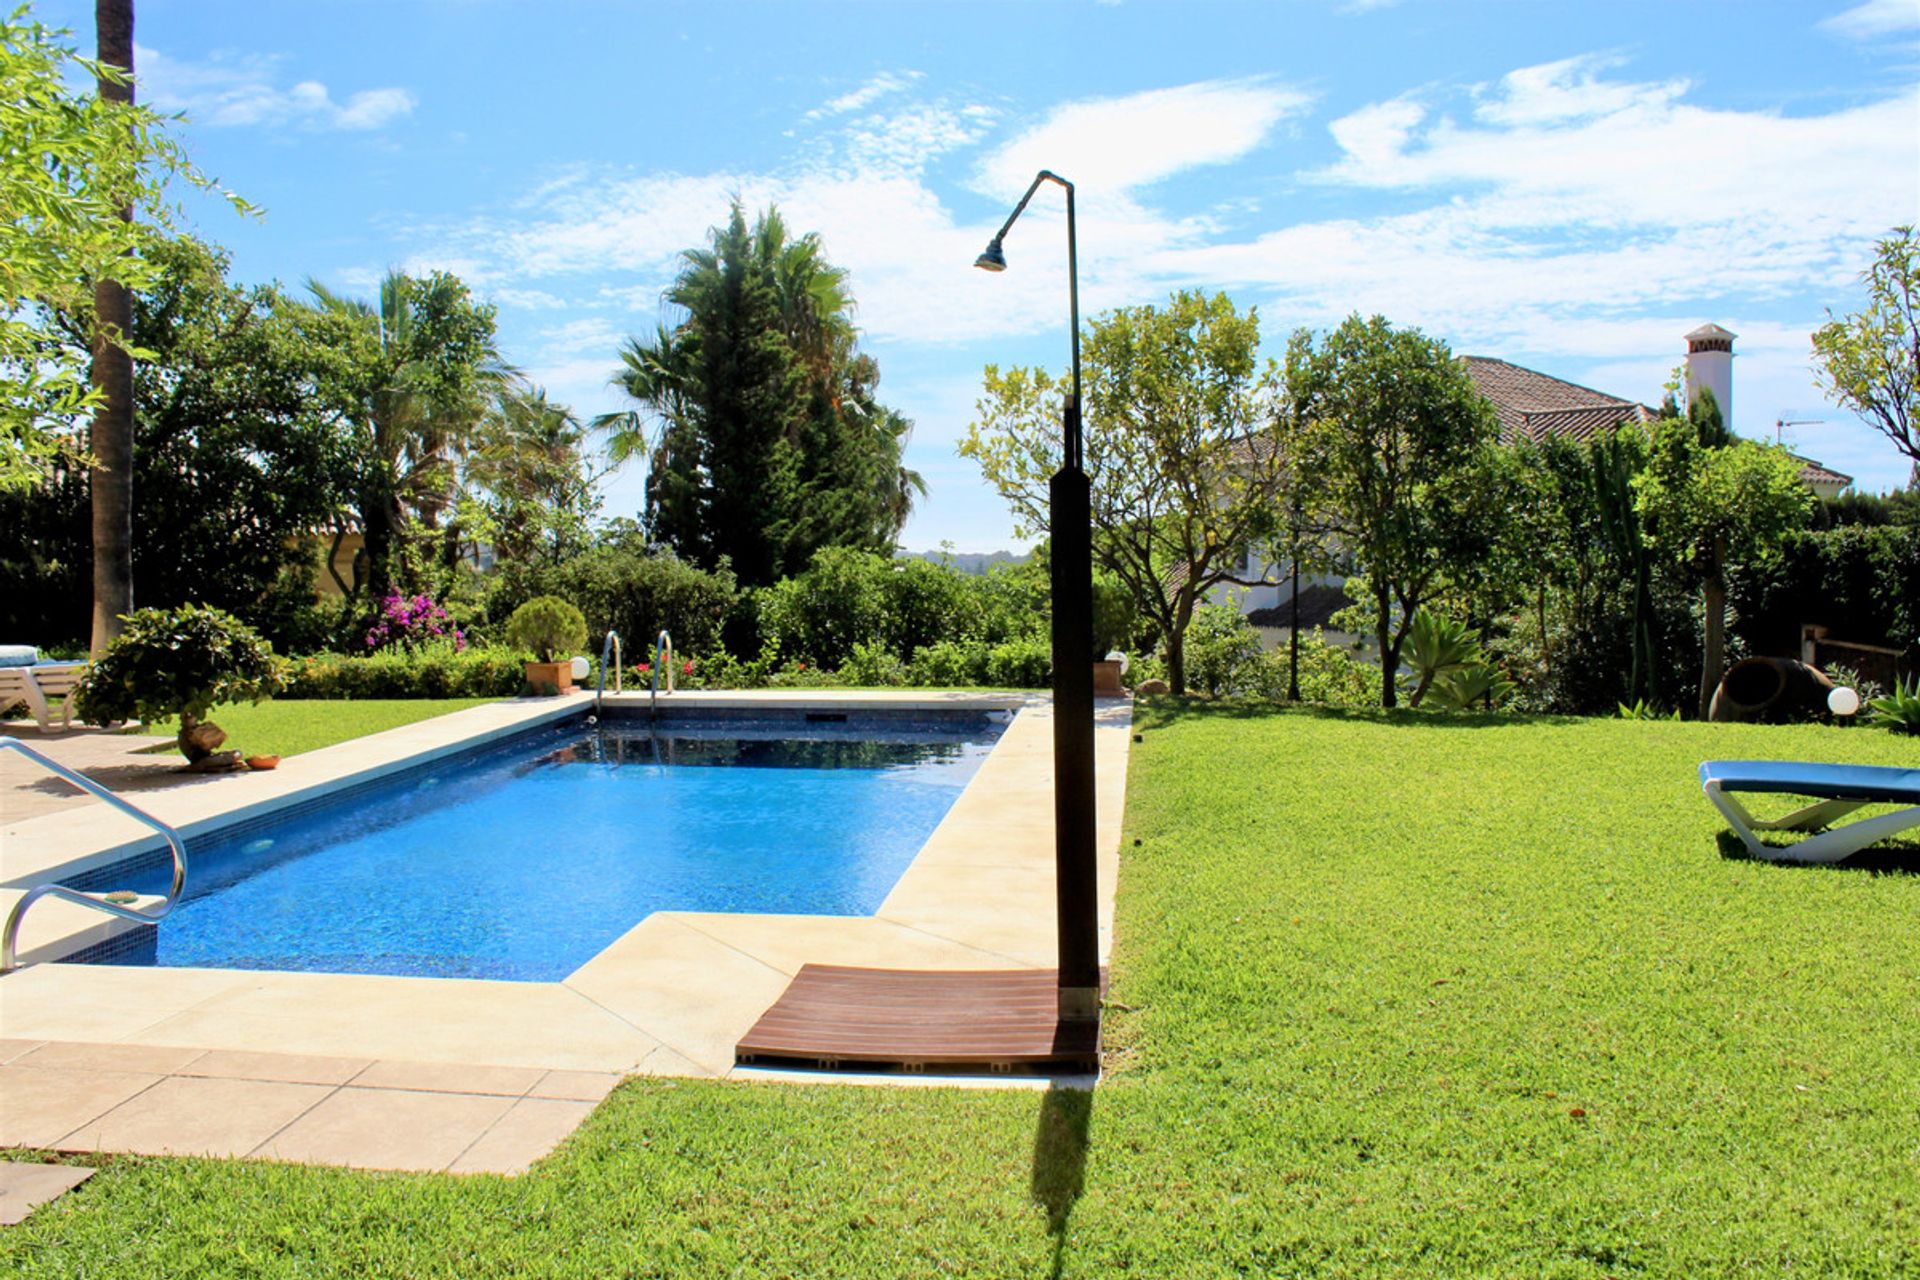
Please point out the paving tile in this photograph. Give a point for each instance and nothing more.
(25, 1187)
(11, 1049)
(448, 1077)
(788, 942)
(71, 1055)
(526, 1133)
(38, 1107)
(387, 1129)
(294, 1068)
(690, 992)
(198, 1116)
(576, 1086)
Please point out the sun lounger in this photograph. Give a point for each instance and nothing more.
(1836, 789)
(39, 686)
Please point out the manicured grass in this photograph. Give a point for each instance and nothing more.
(290, 727)
(1397, 996)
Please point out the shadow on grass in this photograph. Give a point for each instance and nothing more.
(1165, 709)
(1060, 1160)
(1888, 858)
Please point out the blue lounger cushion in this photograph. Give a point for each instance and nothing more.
(18, 655)
(1871, 784)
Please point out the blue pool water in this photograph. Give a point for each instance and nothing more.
(525, 861)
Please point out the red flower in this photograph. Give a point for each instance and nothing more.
(687, 670)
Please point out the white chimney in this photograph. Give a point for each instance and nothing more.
(1710, 365)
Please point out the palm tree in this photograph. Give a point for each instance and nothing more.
(415, 375)
(111, 441)
(527, 456)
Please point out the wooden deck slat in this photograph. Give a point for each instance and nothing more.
(998, 1018)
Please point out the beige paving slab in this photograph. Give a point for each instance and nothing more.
(693, 993)
(101, 1002)
(293, 1068)
(788, 942)
(576, 1086)
(668, 1062)
(525, 1134)
(25, 1187)
(11, 1049)
(449, 1077)
(387, 1129)
(198, 1116)
(69, 1056)
(39, 1107)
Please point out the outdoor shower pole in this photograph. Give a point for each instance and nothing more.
(1070, 499)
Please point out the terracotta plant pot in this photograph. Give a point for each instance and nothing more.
(1106, 677)
(548, 678)
(263, 762)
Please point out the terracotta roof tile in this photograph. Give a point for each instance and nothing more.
(1533, 405)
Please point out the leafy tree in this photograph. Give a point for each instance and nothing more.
(181, 662)
(1182, 451)
(72, 166)
(532, 491)
(770, 443)
(1869, 361)
(412, 378)
(237, 463)
(1710, 500)
(1400, 450)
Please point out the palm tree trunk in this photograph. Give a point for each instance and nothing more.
(1714, 597)
(111, 441)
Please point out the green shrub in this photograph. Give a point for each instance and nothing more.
(178, 662)
(1333, 675)
(846, 598)
(951, 663)
(549, 626)
(1025, 662)
(872, 666)
(432, 671)
(1223, 653)
(1861, 581)
(635, 592)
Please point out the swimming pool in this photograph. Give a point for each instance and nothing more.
(526, 859)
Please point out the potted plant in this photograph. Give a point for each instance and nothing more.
(180, 662)
(553, 629)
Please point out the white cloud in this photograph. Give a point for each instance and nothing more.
(887, 82)
(1875, 18)
(1120, 144)
(237, 90)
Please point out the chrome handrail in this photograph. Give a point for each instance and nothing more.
(10, 932)
(613, 639)
(664, 645)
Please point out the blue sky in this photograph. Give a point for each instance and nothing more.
(1570, 186)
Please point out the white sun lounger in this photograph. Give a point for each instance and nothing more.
(39, 686)
(1836, 789)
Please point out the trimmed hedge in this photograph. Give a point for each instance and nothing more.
(429, 673)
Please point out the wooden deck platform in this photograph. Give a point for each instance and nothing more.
(833, 1017)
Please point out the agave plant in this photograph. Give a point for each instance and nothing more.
(1644, 710)
(1899, 710)
(1437, 646)
(1476, 685)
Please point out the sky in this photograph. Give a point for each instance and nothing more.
(1569, 186)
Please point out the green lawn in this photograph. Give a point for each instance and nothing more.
(288, 728)
(1411, 996)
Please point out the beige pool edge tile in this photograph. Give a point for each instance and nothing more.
(394, 1129)
(528, 1132)
(198, 1116)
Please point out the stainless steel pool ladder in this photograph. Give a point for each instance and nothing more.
(10, 932)
(612, 641)
(664, 645)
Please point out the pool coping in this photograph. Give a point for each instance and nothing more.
(671, 995)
